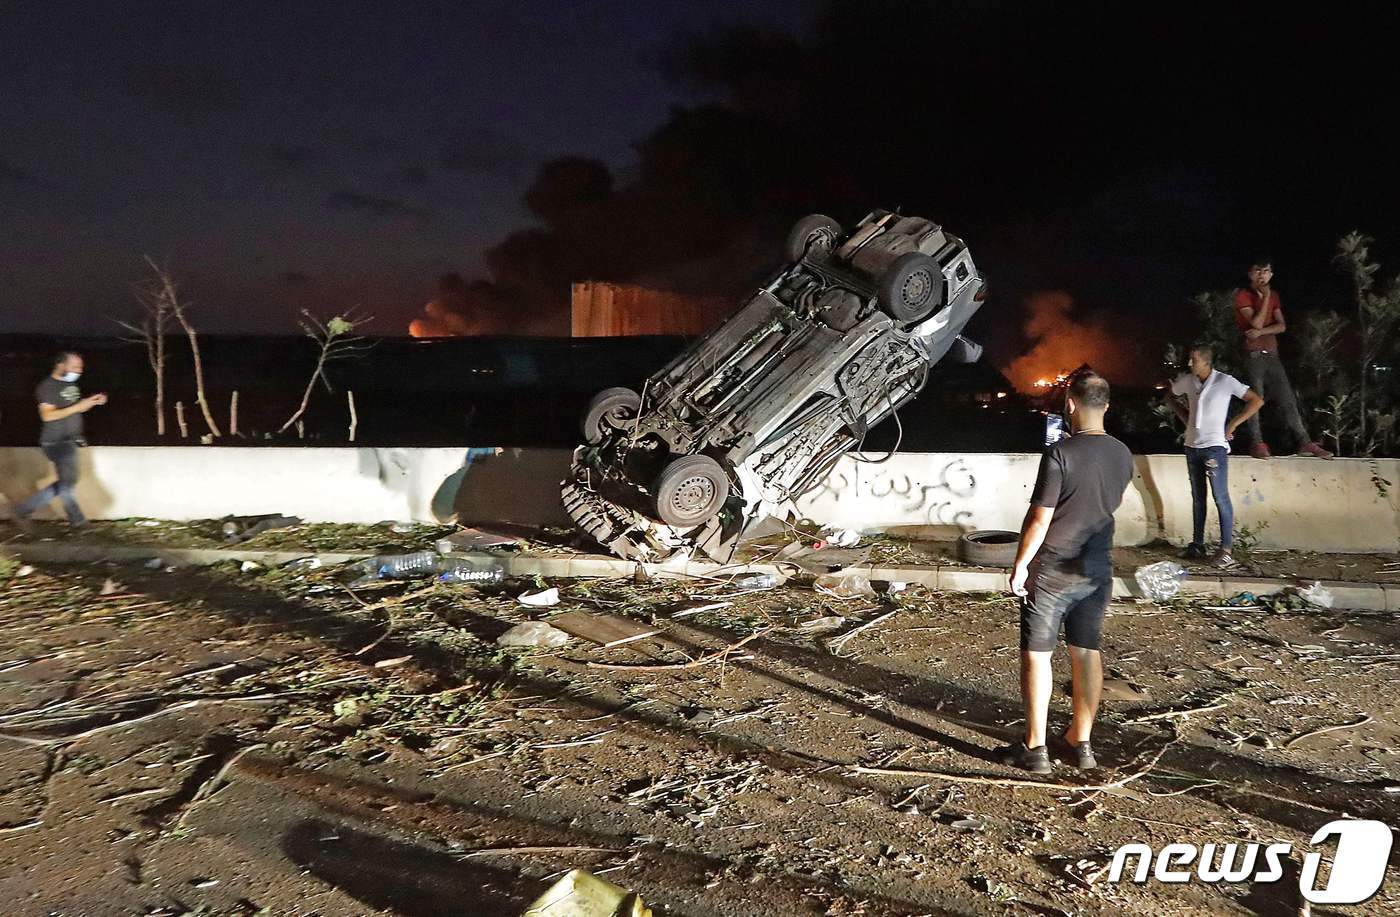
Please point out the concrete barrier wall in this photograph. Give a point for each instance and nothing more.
(1343, 505)
(1346, 505)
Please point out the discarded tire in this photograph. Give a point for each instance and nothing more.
(815, 234)
(912, 287)
(690, 490)
(989, 548)
(612, 407)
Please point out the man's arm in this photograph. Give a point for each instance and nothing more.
(1033, 530)
(1181, 410)
(1253, 401)
(49, 413)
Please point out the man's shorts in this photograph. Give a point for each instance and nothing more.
(1056, 597)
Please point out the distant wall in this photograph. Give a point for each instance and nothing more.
(615, 309)
(1343, 505)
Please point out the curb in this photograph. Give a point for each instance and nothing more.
(1364, 596)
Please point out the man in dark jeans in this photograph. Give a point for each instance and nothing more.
(1064, 574)
(61, 409)
(1209, 430)
(1259, 315)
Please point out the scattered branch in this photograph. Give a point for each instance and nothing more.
(1366, 718)
(678, 666)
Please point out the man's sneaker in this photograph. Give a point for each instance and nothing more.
(1314, 449)
(1194, 552)
(1259, 450)
(1223, 560)
(1081, 755)
(1036, 760)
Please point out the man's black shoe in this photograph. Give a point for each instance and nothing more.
(1036, 760)
(1081, 755)
(1194, 552)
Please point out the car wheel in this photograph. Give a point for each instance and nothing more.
(989, 548)
(815, 235)
(690, 490)
(610, 409)
(912, 287)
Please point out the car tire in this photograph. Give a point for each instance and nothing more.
(690, 490)
(815, 235)
(989, 548)
(609, 409)
(912, 288)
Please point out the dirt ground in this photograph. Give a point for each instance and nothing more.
(880, 549)
(215, 741)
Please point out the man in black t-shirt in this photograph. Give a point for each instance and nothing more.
(1064, 574)
(61, 409)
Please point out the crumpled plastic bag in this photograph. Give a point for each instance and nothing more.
(1161, 581)
(534, 634)
(541, 599)
(1318, 595)
(845, 584)
(844, 538)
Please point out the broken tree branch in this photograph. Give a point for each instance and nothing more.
(678, 666)
(836, 643)
(1366, 718)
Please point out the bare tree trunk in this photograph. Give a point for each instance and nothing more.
(233, 414)
(179, 312)
(180, 419)
(159, 369)
(354, 419)
(306, 395)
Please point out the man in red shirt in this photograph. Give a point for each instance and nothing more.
(1260, 318)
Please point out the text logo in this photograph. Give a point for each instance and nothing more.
(1358, 869)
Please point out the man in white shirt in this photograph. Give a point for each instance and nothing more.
(1209, 429)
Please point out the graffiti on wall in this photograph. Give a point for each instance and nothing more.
(945, 501)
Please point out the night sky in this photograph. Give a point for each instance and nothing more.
(324, 155)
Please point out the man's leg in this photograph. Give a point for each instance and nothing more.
(1195, 470)
(65, 462)
(30, 505)
(1083, 627)
(1256, 367)
(1218, 472)
(1036, 685)
(1285, 402)
(1086, 666)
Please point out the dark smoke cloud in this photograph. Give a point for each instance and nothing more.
(1007, 122)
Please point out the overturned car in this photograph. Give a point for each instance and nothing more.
(757, 412)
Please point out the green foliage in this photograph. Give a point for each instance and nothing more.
(1246, 540)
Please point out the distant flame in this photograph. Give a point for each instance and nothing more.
(1062, 340)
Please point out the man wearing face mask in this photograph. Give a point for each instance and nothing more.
(61, 409)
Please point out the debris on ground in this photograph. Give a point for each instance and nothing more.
(475, 539)
(582, 894)
(240, 529)
(537, 634)
(605, 630)
(845, 584)
(1161, 581)
(541, 598)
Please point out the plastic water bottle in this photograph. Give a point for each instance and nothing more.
(404, 566)
(466, 571)
(430, 563)
(756, 581)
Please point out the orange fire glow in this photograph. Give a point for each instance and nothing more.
(1061, 341)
